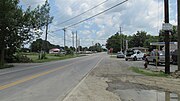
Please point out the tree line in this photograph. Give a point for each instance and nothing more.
(19, 26)
(38, 45)
(139, 39)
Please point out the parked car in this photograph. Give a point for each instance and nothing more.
(156, 57)
(174, 57)
(134, 54)
(120, 55)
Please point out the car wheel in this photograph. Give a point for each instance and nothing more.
(134, 58)
(126, 59)
(173, 62)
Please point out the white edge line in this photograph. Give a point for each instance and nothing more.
(74, 88)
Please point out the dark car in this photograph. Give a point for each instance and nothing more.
(174, 57)
(120, 55)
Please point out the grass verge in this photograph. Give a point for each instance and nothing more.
(148, 72)
(51, 57)
(6, 66)
(113, 56)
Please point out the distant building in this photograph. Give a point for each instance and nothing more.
(172, 45)
(54, 51)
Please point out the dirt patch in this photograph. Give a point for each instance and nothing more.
(112, 80)
(130, 86)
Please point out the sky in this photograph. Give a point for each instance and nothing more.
(131, 16)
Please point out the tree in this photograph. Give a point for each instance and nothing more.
(44, 19)
(173, 35)
(116, 42)
(141, 38)
(138, 39)
(85, 49)
(36, 46)
(98, 47)
(17, 26)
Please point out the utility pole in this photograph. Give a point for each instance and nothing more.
(64, 37)
(120, 30)
(76, 41)
(92, 46)
(45, 45)
(166, 34)
(178, 27)
(121, 40)
(126, 44)
(73, 39)
(79, 44)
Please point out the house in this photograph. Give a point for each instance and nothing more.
(54, 51)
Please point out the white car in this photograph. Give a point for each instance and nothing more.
(134, 55)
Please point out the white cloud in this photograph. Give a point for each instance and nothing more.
(133, 15)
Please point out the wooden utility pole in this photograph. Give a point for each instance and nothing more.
(73, 39)
(76, 41)
(64, 37)
(45, 45)
(178, 28)
(166, 34)
(121, 39)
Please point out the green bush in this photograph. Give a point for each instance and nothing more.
(69, 52)
(20, 58)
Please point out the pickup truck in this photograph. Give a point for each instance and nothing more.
(134, 55)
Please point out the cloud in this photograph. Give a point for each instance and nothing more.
(134, 15)
(33, 3)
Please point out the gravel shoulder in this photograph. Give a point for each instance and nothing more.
(111, 80)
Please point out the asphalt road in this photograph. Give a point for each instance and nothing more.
(46, 82)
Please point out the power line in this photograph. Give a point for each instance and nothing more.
(94, 15)
(83, 13)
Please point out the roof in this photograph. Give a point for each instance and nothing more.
(162, 43)
(55, 49)
(138, 48)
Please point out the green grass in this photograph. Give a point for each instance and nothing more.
(50, 57)
(149, 72)
(113, 56)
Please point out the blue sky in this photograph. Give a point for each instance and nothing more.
(132, 16)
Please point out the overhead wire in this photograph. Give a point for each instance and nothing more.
(74, 5)
(83, 12)
(94, 15)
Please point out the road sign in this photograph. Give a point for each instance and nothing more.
(167, 26)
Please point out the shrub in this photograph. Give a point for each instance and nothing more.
(20, 58)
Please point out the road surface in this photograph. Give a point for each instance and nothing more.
(46, 82)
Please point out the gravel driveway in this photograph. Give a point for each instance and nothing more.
(112, 80)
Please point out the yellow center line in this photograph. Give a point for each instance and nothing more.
(34, 76)
(28, 78)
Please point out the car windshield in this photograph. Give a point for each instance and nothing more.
(161, 53)
(130, 52)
